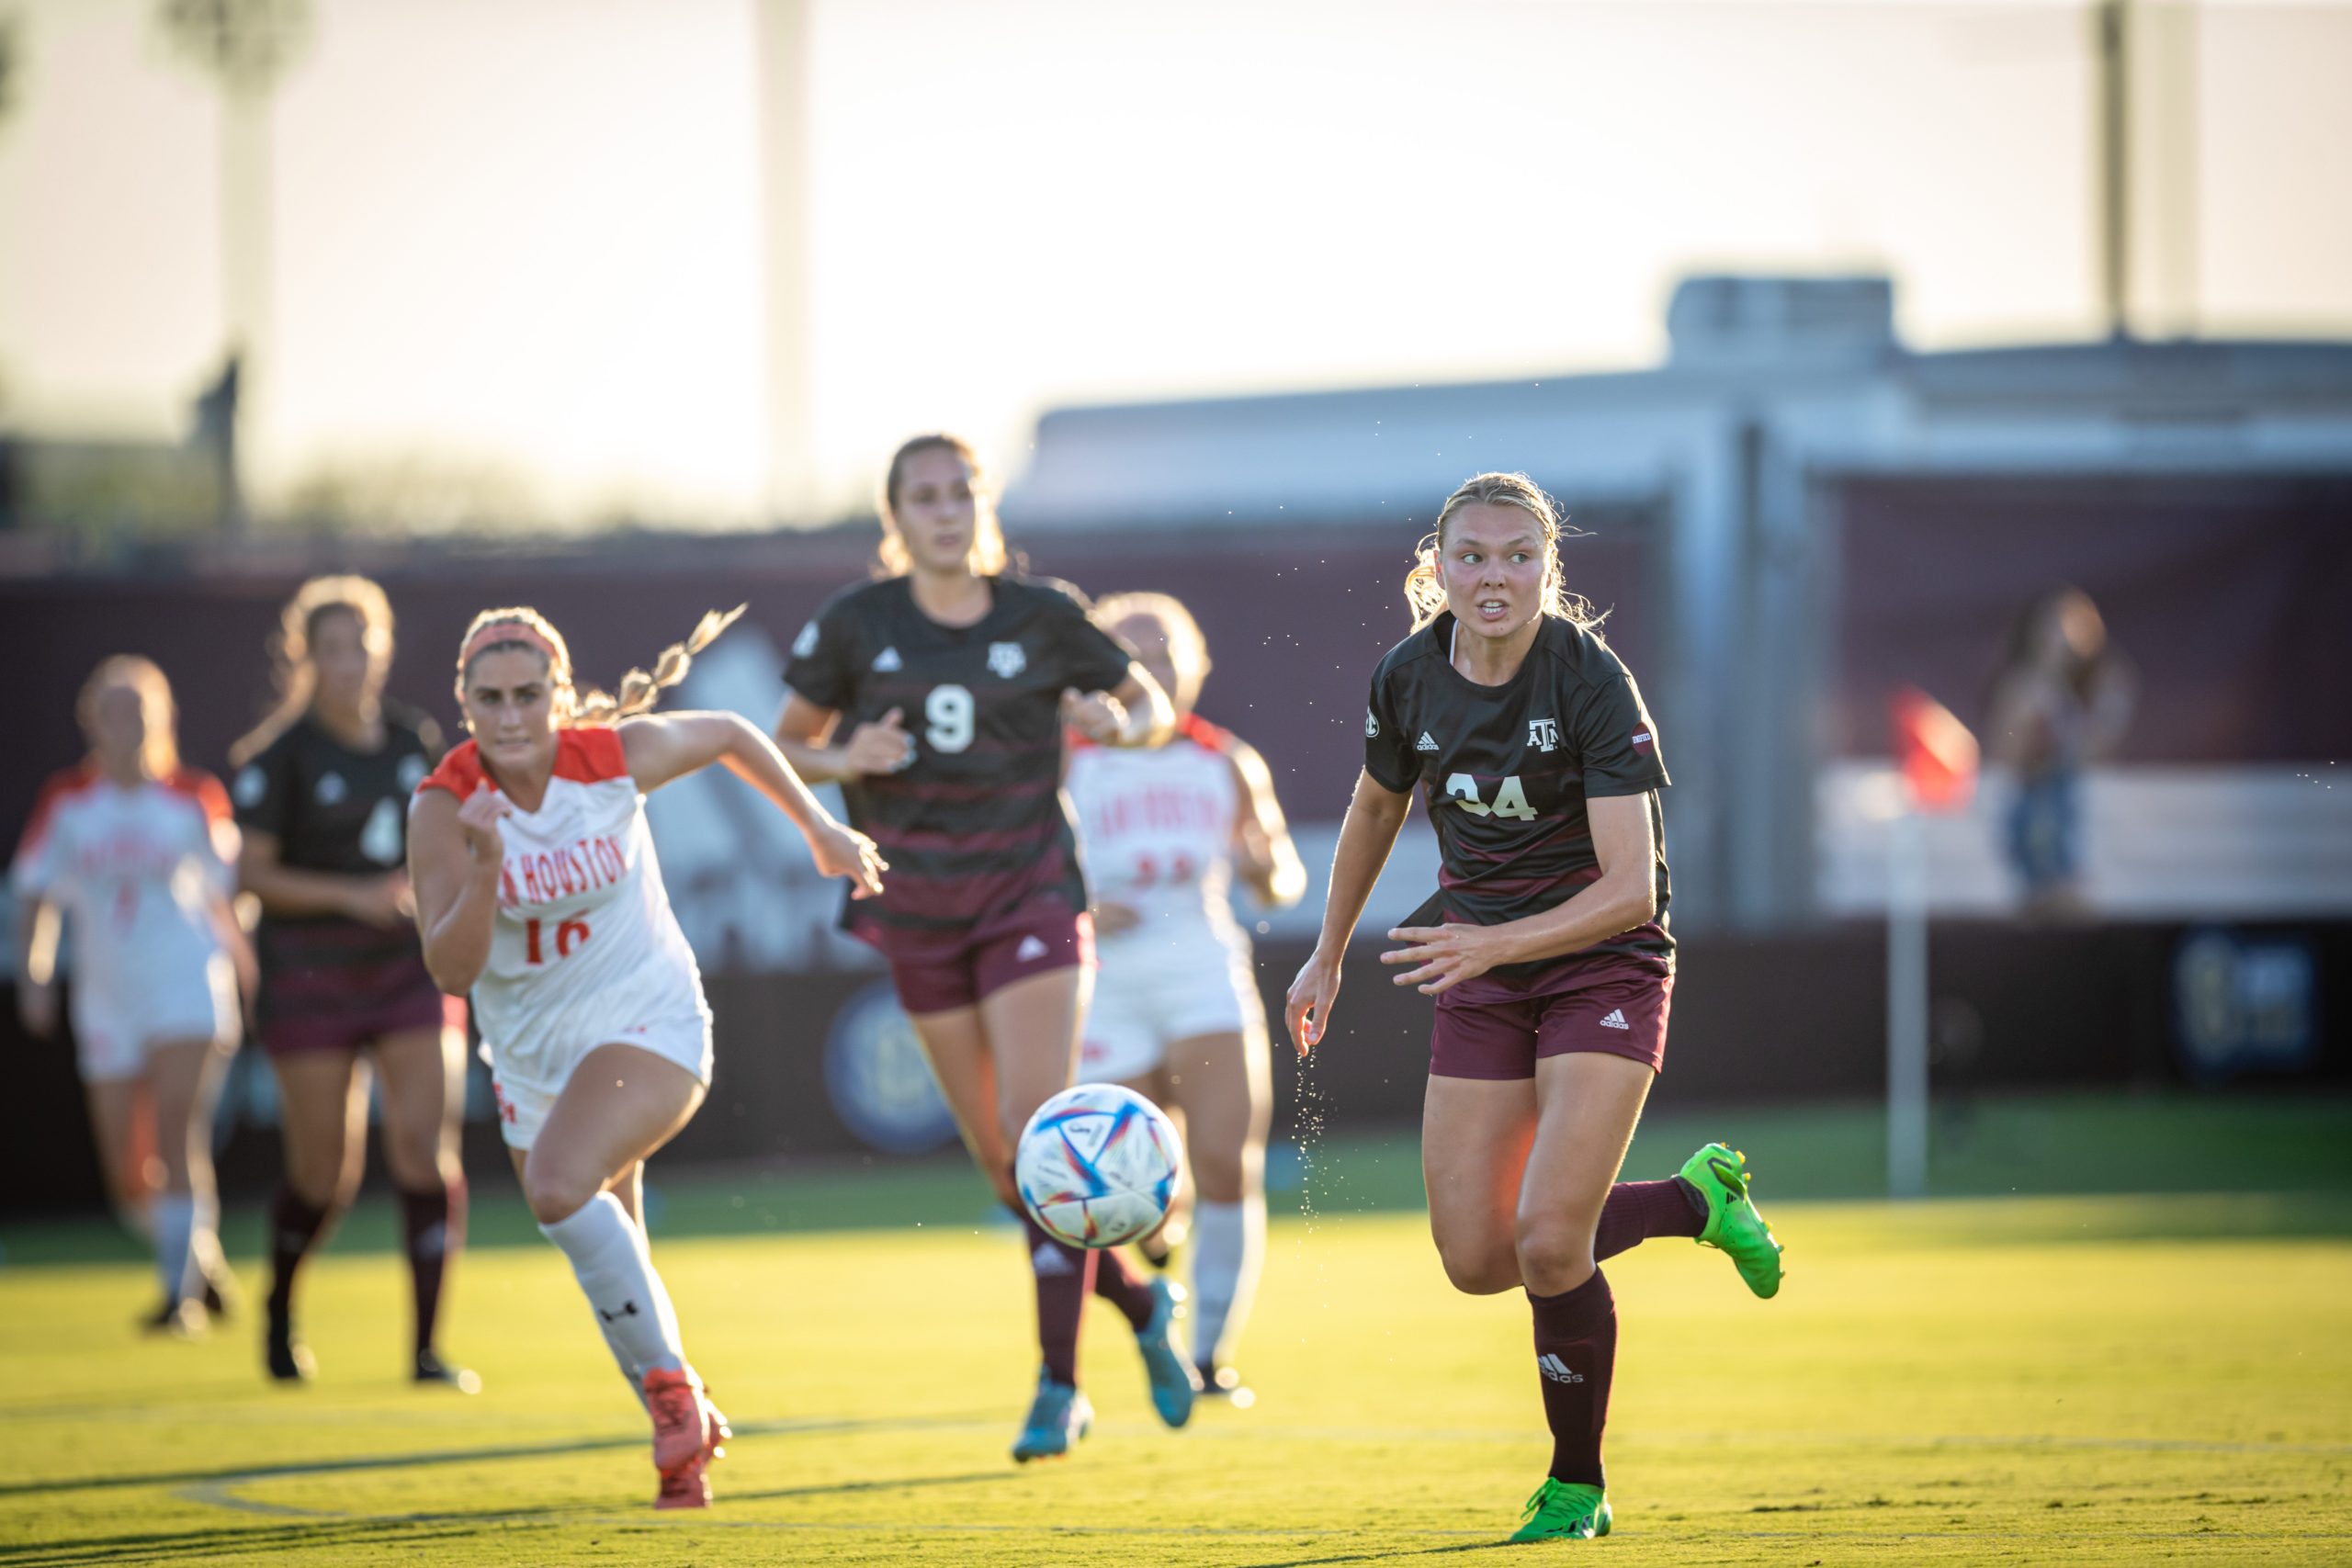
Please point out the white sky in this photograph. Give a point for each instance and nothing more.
(522, 237)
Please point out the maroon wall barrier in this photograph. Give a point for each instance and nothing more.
(1784, 1018)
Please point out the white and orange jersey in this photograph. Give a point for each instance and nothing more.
(137, 871)
(584, 951)
(1158, 824)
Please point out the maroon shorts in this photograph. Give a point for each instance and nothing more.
(938, 971)
(327, 1008)
(1617, 1009)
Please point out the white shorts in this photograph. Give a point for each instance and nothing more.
(523, 1106)
(1146, 1000)
(115, 1027)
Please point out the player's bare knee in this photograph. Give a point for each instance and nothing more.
(1554, 1253)
(1477, 1268)
(413, 1157)
(1220, 1176)
(555, 1193)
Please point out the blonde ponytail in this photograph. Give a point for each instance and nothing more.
(639, 691)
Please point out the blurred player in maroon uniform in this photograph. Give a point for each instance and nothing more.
(138, 852)
(936, 695)
(1545, 947)
(321, 788)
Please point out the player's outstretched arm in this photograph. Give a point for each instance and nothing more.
(662, 747)
(1438, 958)
(37, 932)
(1374, 815)
(1263, 853)
(1135, 713)
(455, 854)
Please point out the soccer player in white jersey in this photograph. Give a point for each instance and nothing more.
(538, 890)
(138, 853)
(1176, 1015)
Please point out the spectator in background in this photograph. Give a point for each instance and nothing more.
(2061, 700)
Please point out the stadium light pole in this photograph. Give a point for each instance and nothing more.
(785, 84)
(245, 46)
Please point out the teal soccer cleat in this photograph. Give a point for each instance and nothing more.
(1174, 1382)
(1058, 1418)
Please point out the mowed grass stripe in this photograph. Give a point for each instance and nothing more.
(1923, 1391)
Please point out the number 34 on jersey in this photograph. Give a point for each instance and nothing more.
(1510, 797)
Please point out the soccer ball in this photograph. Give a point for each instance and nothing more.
(1098, 1165)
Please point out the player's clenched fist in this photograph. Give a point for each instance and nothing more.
(882, 748)
(479, 818)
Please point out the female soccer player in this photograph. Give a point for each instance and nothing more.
(136, 850)
(984, 921)
(1176, 1013)
(1545, 947)
(322, 790)
(537, 889)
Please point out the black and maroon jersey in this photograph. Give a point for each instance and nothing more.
(1506, 771)
(334, 809)
(977, 824)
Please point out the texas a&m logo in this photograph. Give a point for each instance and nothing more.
(1542, 734)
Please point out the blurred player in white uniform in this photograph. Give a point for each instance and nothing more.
(1176, 1013)
(138, 853)
(538, 890)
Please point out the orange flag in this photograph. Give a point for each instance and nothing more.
(1935, 750)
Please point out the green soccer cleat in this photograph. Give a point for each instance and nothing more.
(1563, 1510)
(1174, 1382)
(1732, 1225)
(1058, 1417)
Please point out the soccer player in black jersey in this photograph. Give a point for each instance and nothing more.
(936, 695)
(322, 790)
(1545, 947)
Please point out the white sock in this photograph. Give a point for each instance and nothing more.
(174, 1219)
(204, 1253)
(1228, 1247)
(616, 1273)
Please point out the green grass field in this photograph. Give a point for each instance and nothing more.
(2112, 1377)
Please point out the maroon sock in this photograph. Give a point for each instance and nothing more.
(295, 1227)
(1575, 1351)
(1123, 1287)
(1636, 1210)
(433, 1223)
(1065, 1276)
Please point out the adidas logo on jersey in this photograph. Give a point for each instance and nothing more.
(887, 660)
(1425, 744)
(1030, 948)
(1616, 1019)
(1556, 1370)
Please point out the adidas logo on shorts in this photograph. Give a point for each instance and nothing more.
(1426, 744)
(1032, 948)
(1616, 1019)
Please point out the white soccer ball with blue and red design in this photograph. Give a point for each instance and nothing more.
(1098, 1165)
